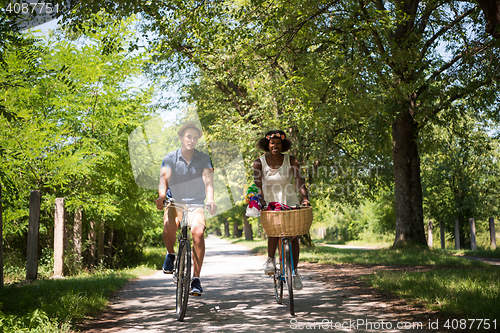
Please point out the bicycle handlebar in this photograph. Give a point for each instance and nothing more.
(171, 201)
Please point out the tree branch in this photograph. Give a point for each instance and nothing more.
(443, 30)
(293, 31)
(378, 40)
(458, 57)
(471, 88)
(225, 89)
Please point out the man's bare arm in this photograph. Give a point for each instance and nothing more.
(208, 179)
(165, 174)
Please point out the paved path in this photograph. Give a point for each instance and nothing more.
(491, 261)
(238, 297)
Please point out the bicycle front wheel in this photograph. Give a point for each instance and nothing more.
(183, 279)
(289, 277)
(278, 283)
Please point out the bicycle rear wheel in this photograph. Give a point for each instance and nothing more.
(183, 279)
(278, 283)
(288, 276)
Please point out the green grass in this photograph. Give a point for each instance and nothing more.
(377, 243)
(48, 305)
(485, 253)
(458, 287)
(56, 305)
(463, 293)
(402, 257)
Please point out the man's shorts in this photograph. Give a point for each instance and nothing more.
(174, 212)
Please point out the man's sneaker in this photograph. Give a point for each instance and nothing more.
(297, 282)
(196, 289)
(168, 264)
(269, 266)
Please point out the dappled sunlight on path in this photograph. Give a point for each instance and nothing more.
(238, 297)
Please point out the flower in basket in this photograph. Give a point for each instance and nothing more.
(251, 191)
(254, 202)
(276, 206)
(253, 199)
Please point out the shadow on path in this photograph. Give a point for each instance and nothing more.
(238, 297)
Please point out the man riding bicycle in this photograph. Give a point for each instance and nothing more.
(188, 174)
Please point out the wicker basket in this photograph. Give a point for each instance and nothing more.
(287, 222)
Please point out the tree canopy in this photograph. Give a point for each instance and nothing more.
(374, 95)
(347, 80)
(72, 106)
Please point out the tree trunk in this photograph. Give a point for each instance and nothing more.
(407, 186)
(33, 236)
(247, 228)
(306, 240)
(235, 230)
(491, 10)
(226, 228)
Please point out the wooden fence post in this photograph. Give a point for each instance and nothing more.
(493, 240)
(59, 238)
(457, 235)
(100, 242)
(441, 232)
(92, 244)
(77, 235)
(33, 232)
(429, 234)
(472, 224)
(109, 242)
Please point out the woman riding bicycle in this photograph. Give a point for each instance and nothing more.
(272, 175)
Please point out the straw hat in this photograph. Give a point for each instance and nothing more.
(189, 124)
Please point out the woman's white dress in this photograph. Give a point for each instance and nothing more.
(276, 183)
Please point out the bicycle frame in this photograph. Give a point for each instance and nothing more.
(285, 273)
(282, 258)
(182, 239)
(182, 266)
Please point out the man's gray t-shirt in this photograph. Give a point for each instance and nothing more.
(186, 182)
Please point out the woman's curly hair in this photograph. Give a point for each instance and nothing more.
(264, 142)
